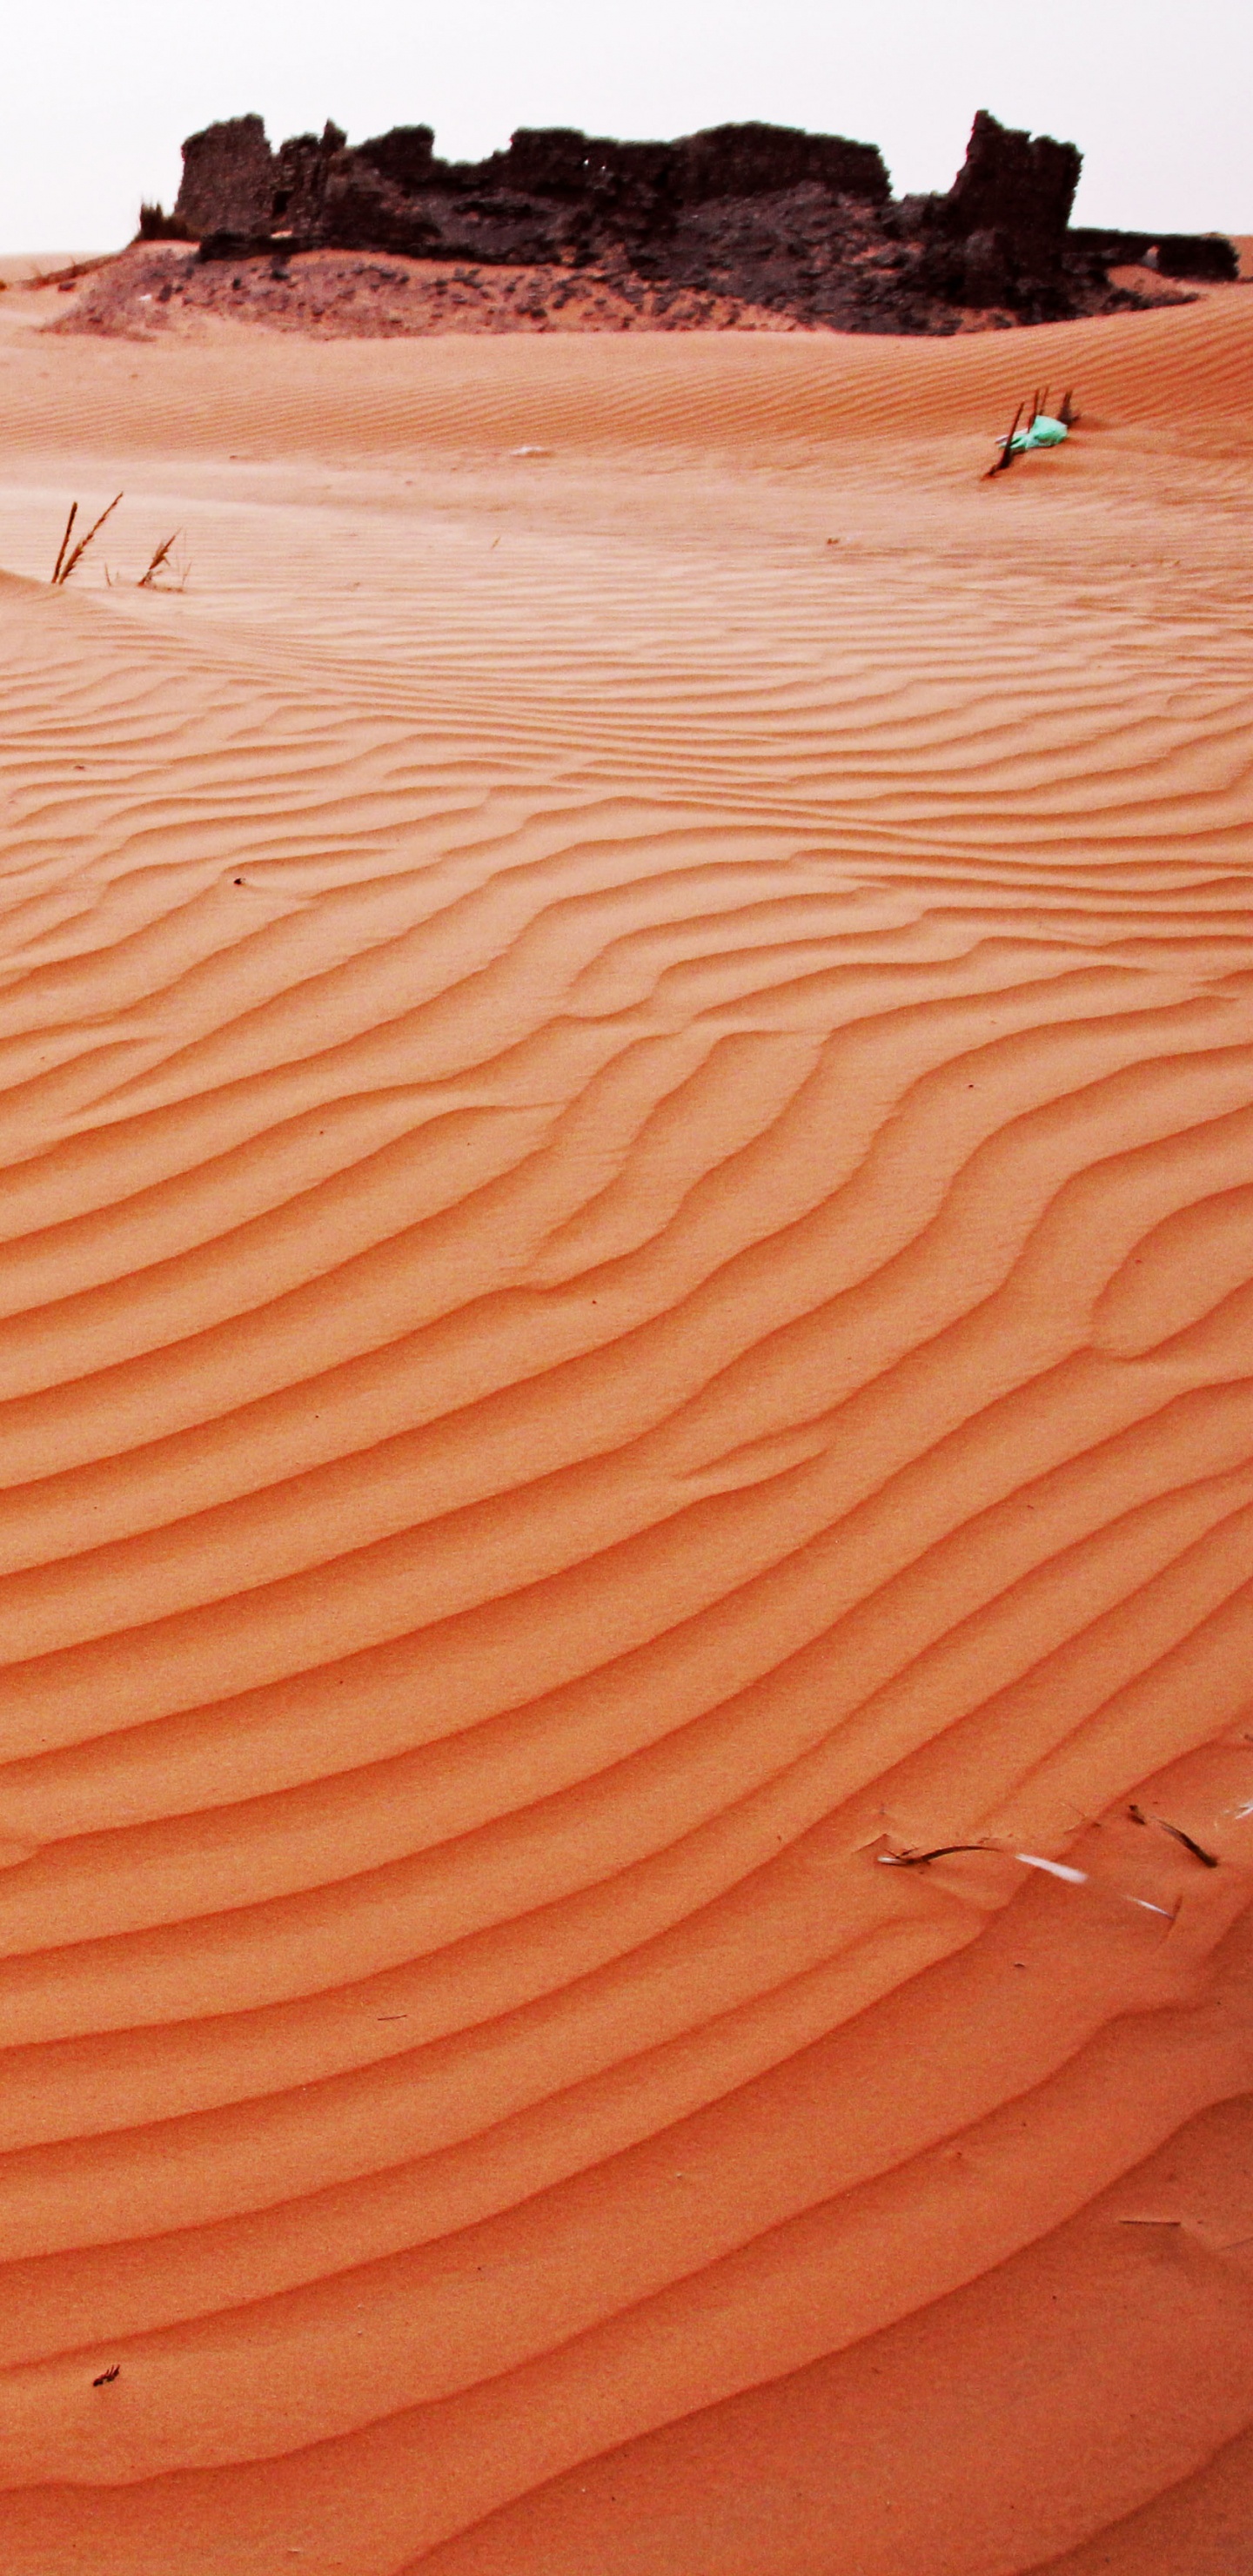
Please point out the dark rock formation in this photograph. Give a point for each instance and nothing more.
(1198, 255)
(553, 195)
(1203, 256)
(228, 179)
(301, 170)
(800, 223)
(1017, 185)
(1115, 249)
(999, 236)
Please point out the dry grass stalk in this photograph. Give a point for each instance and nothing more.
(160, 561)
(66, 564)
(56, 575)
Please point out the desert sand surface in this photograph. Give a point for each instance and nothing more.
(628, 1303)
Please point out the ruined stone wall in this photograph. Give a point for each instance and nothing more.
(801, 223)
(302, 170)
(405, 157)
(1207, 257)
(999, 236)
(767, 160)
(547, 196)
(228, 179)
(1014, 183)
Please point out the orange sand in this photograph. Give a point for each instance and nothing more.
(628, 1092)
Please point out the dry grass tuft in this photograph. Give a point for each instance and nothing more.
(65, 563)
(162, 562)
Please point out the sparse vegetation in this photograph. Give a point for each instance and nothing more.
(165, 569)
(156, 225)
(163, 562)
(66, 560)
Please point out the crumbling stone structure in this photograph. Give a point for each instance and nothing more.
(228, 179)
(1021, 186)
(801, 223)
(552, 194)
(1000, 234)
(1203, 256)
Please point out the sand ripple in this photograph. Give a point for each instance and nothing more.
(627, 1289)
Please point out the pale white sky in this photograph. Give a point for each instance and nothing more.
(96, 95)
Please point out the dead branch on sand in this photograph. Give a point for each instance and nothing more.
(1039, 420)
(1006, 457)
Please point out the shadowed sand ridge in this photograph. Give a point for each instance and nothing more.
(628, 1262)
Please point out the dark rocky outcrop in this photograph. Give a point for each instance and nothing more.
(553, 195)
(1200, 255)
(1017, 185)
(799, 223)
(999, 237)
(228, 179)
(1206, 257)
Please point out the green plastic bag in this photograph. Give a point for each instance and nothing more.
(1042, 433)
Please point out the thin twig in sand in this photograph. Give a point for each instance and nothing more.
(1006, 457)
(61, 576)
(918, 1859)
(1207, 1859)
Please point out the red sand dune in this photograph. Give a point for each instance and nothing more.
(627, 1096)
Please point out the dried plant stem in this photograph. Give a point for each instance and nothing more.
(62, 575)
(64, 543)
(160, 558)
(1006, 457)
